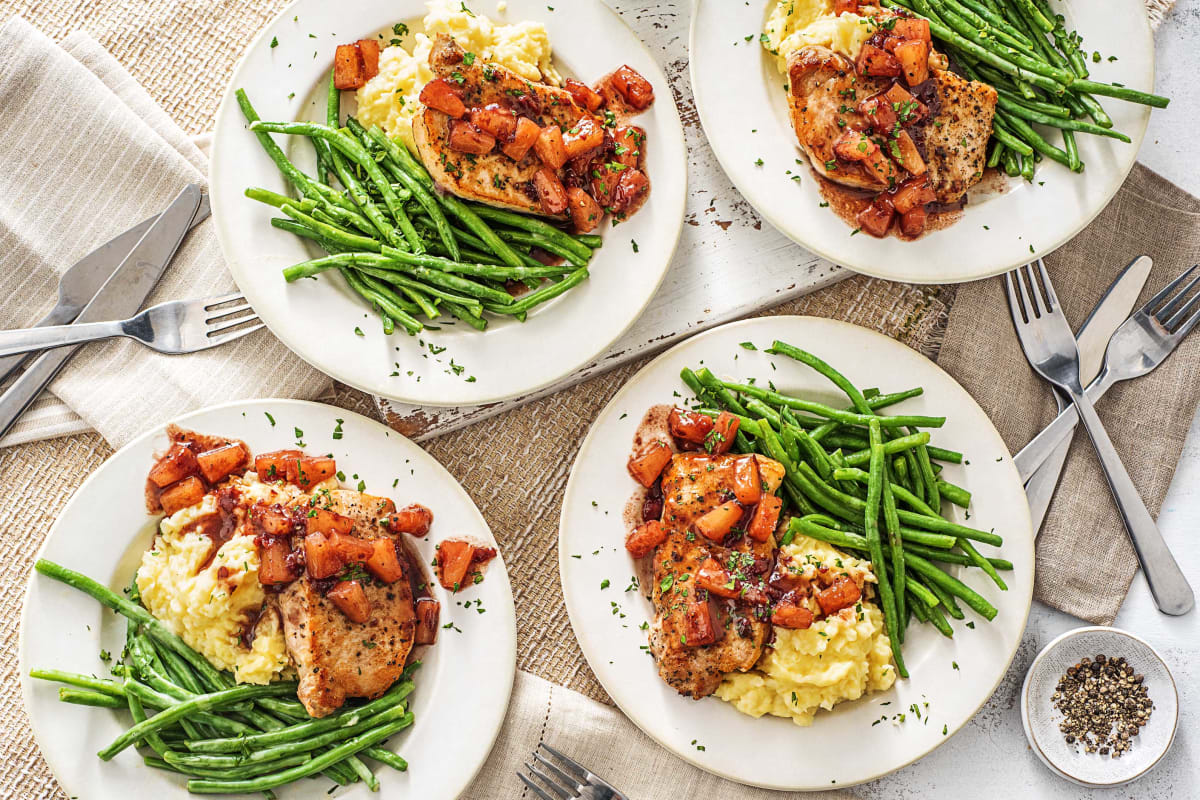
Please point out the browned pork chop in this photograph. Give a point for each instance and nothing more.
(957, 133)
(692, 484)
(335, 657)
(492, 178)
(824, 91)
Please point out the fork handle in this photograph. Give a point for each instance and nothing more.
(24, 340)
(1042, 446)
(1170, 588)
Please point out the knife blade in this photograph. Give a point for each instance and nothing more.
(84, 278)
(1112, 309)
(120, 296)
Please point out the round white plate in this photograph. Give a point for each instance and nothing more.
(844, 746)
(1041, 719)
(463, 685)
(317, 319)
(740, 96)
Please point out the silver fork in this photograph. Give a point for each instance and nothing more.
(1050, 348)
(1141, 343)
(567, 779)
(180, 326)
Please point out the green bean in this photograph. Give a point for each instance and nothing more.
(200, 703)
(101, 685)
(1012, 163)
(891, 618)
(896, 545)
(423, 197)
(549, 292)
(349, 241)
(838, 379)
(278, 200)
(83, 697)
(952, 585)
(1019, 110)
(331, 756)
(928, 479)
(994, 154)
(504, 273)
(994, 19)
(384, 756)
(350, 147)
(915, 587)
(940, 525)
(946, 600)
(591, 240)
(1035, 15)
(950, 557)
(981, 562)
(476, 321)
(828, 412)
(918, 607)
(403, 281)
(938, 620)
(939, 454)
(297, 178)
(955, 494)
(971, 25)
(414, 295)
(1033, 138)
(393, 311)
(890, 447)
(549, 245)
(534, 225)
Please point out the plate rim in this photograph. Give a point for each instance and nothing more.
(677, 203)
(764, 210)
(570, 604)
(23, 668)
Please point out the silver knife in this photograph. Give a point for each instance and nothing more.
(85, 277)
(1110, 311)
(120, 296)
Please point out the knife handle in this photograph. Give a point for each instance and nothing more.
(25, 340)
(18, 397)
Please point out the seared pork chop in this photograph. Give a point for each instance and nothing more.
(493, 177)
(823, 89)
(335, 657)
(693, 484)
(957, 133)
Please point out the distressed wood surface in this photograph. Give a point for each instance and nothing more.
(720, 231)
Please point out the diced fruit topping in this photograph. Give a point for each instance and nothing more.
(877, 62)
(178, 463)
(843, 593)
(913, 56)
(720, 439)
(428, 610)
(587, 97)
(440, 95)
(912, 222)
(689, 426)
(351, 600)
(466, 138)
(220, 462)
(583, 137)
(585, 211)
(909, 155)
(320, 559)
(496, 120)
(747, 483)
(272, 520)
(320, 520)
(912, 193)
(524, 136)
(453, 563)
(646, 466)
(718, 523)
(550, 148)
(789, 614)
(551, 192)
(635, 89)
(632, 187)
(274, 562)
(699, 627)
(854, 146)
(355, 64)
(876, 218)
(716, 579)
(766, 517)
(413, 519)
(642, 540)
(912, 29)
(186, 492)
(384, 561)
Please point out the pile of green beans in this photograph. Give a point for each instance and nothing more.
(891, 510)
(225, 738)
(1039, 70)
(407, 248)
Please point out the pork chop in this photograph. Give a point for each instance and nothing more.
(692, 484)
(335, 657)
(956, 134)
(823, 95)
(491, 178)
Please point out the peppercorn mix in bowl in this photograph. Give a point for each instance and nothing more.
(1100, 707)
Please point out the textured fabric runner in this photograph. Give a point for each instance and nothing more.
(1084, 558)
(181, 52)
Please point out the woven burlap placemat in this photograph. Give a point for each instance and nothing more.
(182, 51)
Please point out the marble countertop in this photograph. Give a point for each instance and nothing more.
(990, 757)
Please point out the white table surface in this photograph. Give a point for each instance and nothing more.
(990, 757)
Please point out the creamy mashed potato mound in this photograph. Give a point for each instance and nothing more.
(838, 658)
(793, 24)
(391, 99)
(209, 611)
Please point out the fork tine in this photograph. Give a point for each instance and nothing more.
(225, 312)
(1169, 308)
(226, 324)
(1014, 301)
(1047, 287)
(577, 769)
(536, 789)
(563, 794)
(1178, 317)
(214, 341)
(1153, 302)
(1032, 309)
(562, 776)
(209, 302)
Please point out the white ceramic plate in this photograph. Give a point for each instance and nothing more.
(844, 746)
(317, 319)
(739, 90)
(463, 686)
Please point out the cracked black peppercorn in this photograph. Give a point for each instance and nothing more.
(1104, 704)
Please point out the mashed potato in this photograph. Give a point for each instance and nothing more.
(390, 99)
(793, 24)
(841, 657)
(209, 607)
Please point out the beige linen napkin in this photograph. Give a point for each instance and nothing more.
(1084, 559)
(87, 154)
